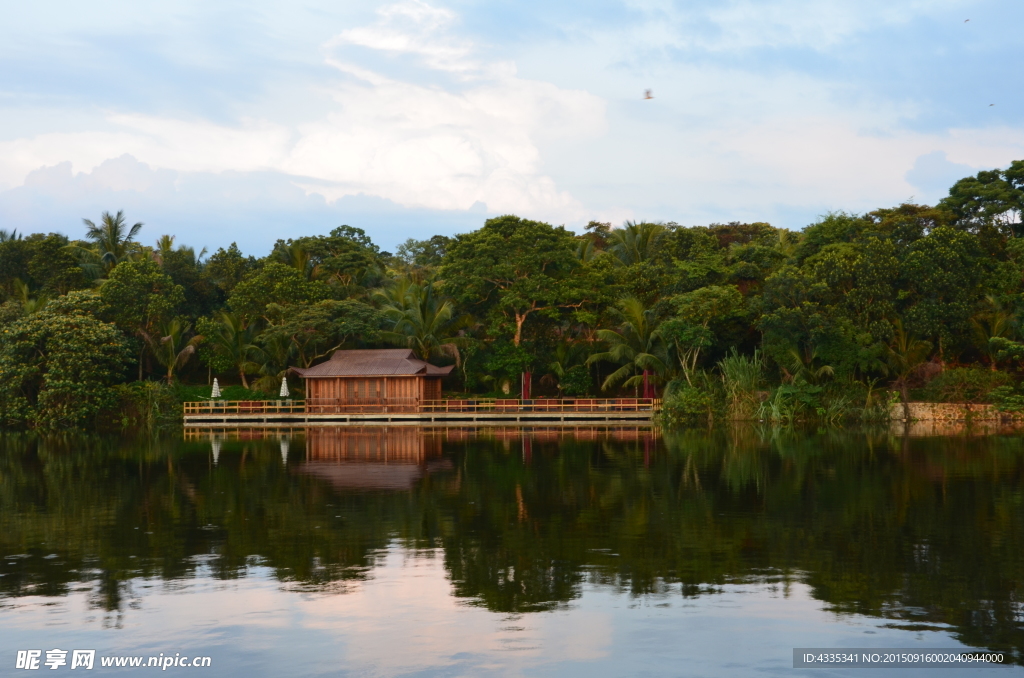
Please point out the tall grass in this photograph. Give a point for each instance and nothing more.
(742, 377)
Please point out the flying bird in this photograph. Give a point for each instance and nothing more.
(648, 94)
(991, 104)
(966, 20)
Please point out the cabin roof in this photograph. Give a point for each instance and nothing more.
(376, 362)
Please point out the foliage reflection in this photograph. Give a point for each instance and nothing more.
(925, 532)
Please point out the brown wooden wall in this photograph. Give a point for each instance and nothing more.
(431, 389)
(370, 394)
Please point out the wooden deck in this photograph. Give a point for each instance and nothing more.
(483, 411)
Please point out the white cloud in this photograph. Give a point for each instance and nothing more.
(189, 146)
(426, 146)
(419, 145)
(404, 107)
(413, 28)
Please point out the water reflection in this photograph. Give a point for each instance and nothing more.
(923, 532)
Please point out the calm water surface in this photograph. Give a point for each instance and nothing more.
(408, 551)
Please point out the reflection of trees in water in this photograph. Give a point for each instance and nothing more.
(921, 531)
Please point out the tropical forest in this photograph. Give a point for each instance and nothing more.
(842, 320)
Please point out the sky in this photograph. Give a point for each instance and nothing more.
(224, 121)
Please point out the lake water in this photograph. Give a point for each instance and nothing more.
(508, 552)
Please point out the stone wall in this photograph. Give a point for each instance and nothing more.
(950, 412)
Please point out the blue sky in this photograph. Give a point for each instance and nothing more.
(252, 121)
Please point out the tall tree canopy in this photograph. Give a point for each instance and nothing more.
(513, 269)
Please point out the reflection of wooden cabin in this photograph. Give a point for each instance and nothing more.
(410, 444)
(372, 458)
(373, 380)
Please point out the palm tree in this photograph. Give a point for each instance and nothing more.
(803, 367)
(171, 349)
(586, 250)
(29, 304)
(276, 351)
(164, 246)
(637, 345)
(423, 319)
(635, 243)
(568, 355)
(995, 321)
(112, 238)
(233, 339)
(905, 354)
(298, 257)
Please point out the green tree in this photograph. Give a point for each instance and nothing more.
(112, 238)
(944, 277)
(15, 254)
(697, 315)
(905, 353)
(53, 267)
(275, 283)
(57, 365)
(29, 303)
(187, 269)
(345, 259)
(996, 320)
(635, 243)
(227, 267)
(637, 345)
(171, 347)
(422, 318)
(513, 269)
(139, 297)
(415, 255)
(296, 256)
(991, 198)
(276, 351)
(314, 330)
(568, 369)
(229, 343)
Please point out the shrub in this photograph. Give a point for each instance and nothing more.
(576, 381)
(183, 393)
(1007, 399)
(964, 385)
(686, 405)
(142, 404)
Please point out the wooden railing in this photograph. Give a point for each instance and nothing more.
(361, 405)
(412, 405)
(543, 405)
(245, 407)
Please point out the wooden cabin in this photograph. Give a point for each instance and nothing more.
(371, 380)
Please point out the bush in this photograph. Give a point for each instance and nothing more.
(576, 381)
(142, 404)
(686, 405)
(188, 394)
(964, 385)
(790, 402)
(1008, 399)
